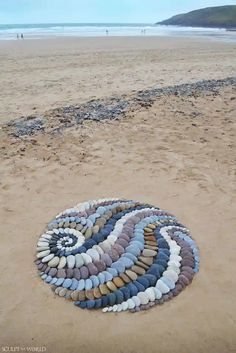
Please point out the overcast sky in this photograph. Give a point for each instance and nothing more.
(108, 11)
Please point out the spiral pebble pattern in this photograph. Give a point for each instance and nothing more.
(117, 255)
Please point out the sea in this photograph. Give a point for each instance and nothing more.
(49, 30)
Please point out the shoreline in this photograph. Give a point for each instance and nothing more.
(196, 37)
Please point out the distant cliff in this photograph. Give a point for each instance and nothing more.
(220, 16)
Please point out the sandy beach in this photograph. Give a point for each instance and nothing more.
(37, 75)
(175, 151)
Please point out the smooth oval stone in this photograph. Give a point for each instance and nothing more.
(48, 279)
(69, 272)
(124, 243)
(119, 249)
(168, 282)
(53, 272)
(84, 272)
(59, 281)
(70, 261)
(143, 281)
(157, 293)
(188, 275)
(113, 271)
(92, 269)
(115, 307)
(139, 286)
(183, 279)
(61, 273)
(113, 255)
(77, 273)
(48, 258)
(75, 295)
(118, 266)
(136, 300)
(151, 294)
(119, 297)
(62, 292)
(104, 301)
(90, 304)
(88, 284)
(126, 292)
(137, 269)
(101, 266)
(149, 253)
(81, 285)
(79, 261)
(131, 274)
(106, 258)
(124, 306)
(133, 289)
(125, 278)
(93, 254)
(134, 250)
(171, 274)
(87, 259)
(62, 262)
(67, 283)
(111, 298)
(54, 262)
(118, 282)
(43, 254)
(111, 285)
(108, 276)
(143, 297)
(151, 279)
(101, 278)
(104, 289)
(126, 262)
(131, 303)
(74, 284)
(95, 281)
(162, 287)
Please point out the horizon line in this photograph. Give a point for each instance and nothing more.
(70, 23)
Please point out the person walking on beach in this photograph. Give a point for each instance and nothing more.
(22, 36)
(17, 36)
(107, 32)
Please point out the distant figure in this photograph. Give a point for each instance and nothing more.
(144, 31)
(17, 36)
(107, 32)
(22, 36)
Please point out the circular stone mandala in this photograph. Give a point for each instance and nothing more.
(117, 255)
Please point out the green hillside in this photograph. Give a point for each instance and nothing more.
(220, 16)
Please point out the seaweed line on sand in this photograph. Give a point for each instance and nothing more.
(56, 120)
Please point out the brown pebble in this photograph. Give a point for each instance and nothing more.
(82, 295)
(96, 292)
(89, 294)
(141, 264)
(146, 260)
(111, 286)
(137, 269)
(74, 295)
(104, 289)
(118, 282)
(125, 278)
(131, 274)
